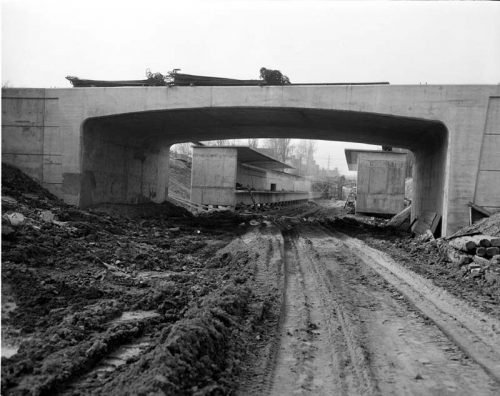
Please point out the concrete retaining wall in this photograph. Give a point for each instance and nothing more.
(213, 176)
(119, 167)
(381, 182)
(30, 140)
(487, 191)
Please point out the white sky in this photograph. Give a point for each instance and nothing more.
(309, 41)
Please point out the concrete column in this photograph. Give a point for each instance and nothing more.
(429, 180)
(163, 173)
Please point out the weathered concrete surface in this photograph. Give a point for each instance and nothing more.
(487, 191)
(213, 176)
(57, 135)
(120, 167)
(381, 182)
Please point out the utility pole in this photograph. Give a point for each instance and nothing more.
(328, 167)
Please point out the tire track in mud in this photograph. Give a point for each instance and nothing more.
(477, 334)
(289, 306)
(346, 330)
(319, 353)
(283, 279)
(270, 273)
(345, 335)
(405, 352)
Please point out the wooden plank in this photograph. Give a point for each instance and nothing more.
(426, 221)
(479, 209)
(435, 223)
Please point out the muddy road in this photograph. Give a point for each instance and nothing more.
(283, 307)
(149, 299)
(349, 331)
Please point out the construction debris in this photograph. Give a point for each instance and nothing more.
(401, 220)
(487, 226)
(469, 243)
(477, 213)
(15, 219)
(73, 273)
(174, 78)
(181, 79)
(191, 298)
(426, 221)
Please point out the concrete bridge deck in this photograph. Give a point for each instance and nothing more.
(92, 145)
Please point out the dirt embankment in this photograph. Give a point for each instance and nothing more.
(106, 303)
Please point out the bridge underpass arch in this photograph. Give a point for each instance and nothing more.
(125, 156)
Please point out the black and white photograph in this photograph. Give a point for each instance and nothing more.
(269, 198)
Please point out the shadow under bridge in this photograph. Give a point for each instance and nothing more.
(125, 156)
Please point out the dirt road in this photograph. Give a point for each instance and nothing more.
(351, 329)
(148, 299)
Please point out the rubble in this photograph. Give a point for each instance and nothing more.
(401, 220)
(486, 226)
(148, 299)
(74, 272)
(15, 219)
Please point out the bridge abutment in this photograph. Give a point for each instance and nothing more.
(122, 167)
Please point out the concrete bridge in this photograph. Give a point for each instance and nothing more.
(92, 145)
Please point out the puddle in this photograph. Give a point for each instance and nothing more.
(155, 274)
(133, 316)
(121, 356)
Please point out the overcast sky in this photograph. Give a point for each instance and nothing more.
(309, 41)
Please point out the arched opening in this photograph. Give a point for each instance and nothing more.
(125, 156)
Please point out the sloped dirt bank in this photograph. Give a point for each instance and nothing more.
(185, 297)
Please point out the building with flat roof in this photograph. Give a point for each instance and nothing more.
(240, 175)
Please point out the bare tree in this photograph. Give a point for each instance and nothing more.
(304, 151)
(311, 147)
(310, 150)
(300, 153)
(282, 148)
